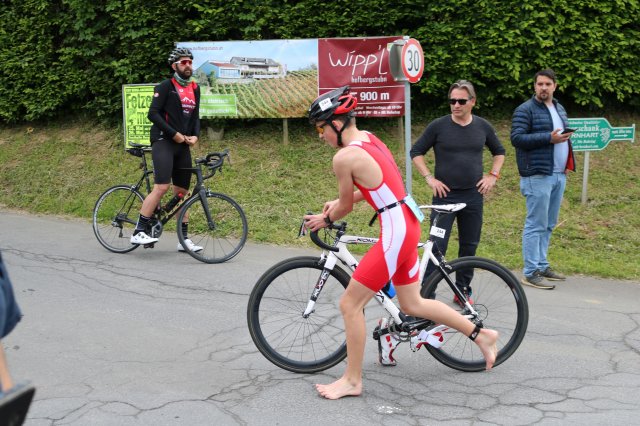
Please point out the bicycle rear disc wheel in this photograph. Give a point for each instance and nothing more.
(115, 216)
(500, 302)
(223, 237)
(276, 322)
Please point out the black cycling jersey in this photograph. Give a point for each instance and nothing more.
(166, 113)
(168, 118)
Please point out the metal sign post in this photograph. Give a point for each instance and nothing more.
(407, 135)
(406, 61)
(585, 178)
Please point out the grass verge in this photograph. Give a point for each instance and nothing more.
(62, 169)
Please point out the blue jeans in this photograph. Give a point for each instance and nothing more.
(544, 196)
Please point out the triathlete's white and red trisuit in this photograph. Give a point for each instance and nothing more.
(395, 255)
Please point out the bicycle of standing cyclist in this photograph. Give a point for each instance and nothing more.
(217, 223)
(295, 320)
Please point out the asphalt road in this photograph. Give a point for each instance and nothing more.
(154, 337)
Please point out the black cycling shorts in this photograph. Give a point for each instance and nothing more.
(169, 158)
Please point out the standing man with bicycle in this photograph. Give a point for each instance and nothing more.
(364, 161)
(175, 114)
(544, 156)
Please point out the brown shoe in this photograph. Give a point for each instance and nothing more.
(552, 275)
(536, 281)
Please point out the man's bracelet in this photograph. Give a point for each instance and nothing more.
(495, 174)
(427, 176)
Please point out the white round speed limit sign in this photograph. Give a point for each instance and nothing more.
(412, 60)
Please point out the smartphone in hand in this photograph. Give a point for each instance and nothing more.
(567, 130)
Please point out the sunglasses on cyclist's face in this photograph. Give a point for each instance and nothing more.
(460, 101)
(320, 128)
(184, 62)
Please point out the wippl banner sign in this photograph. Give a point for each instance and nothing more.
(363, 64)
(279, 79)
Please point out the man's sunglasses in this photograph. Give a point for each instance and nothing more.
(184, 62)
(320, 129)
(460, 101)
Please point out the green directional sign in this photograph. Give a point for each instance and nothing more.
(594, 134)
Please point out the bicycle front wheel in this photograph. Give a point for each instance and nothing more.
(276, 322)
(221, 234)
(500, 302)
(115, 216)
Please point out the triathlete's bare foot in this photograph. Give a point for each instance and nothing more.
(339, 388)
(486, 341)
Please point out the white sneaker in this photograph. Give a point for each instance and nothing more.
(433, 337)
(142, 238)
(386, 345)
(192, 247)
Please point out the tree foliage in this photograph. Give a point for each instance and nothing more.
(62, 57)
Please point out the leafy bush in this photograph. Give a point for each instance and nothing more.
(62, 57)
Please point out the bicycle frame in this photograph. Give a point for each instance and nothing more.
(344, 255)
(116, 212)
(199, 189)
(340, 252)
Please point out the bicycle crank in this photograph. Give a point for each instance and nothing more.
(155, 228)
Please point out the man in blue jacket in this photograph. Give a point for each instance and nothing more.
(544, 156)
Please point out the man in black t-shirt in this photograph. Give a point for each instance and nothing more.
(458, 141)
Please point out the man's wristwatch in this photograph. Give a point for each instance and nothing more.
(327, 220)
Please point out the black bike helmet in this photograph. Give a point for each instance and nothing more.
(179, 52)
(330, 104)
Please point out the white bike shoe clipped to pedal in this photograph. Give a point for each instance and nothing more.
(386, 345)
(433, 337)
(192, 247)
(142, 238)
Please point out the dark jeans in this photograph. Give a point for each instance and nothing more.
(10, 313)
(469, 222)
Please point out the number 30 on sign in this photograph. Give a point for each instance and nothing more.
(412, 60)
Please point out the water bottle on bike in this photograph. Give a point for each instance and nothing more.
(173, 202)
(389, 289)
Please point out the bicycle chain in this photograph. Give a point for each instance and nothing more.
(401, 336)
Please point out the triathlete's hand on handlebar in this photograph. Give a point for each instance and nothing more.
(329, 205)
(315, 222)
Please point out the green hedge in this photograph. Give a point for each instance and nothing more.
(64, 57)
